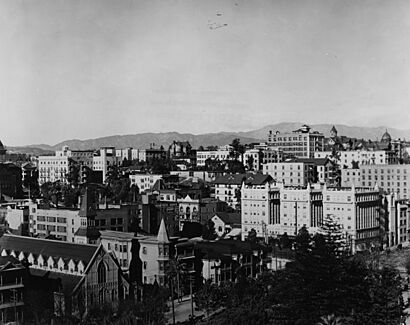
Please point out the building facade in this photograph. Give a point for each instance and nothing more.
(301, 143)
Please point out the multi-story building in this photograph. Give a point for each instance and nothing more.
(57, 167)
(289, 173)
(123, 154)
(144, 182)
(155, 254)
(61, 223)
(203, 155)
(390, 178)
(301, 143)
(159, 206)
(12, 277)
(121, 217)
(105, 160)
(252, 159)
(180, 149)
(150, 154)
(219, 261)
(259, 202)
(272, 209)
(271, 155)
(298, 208)
(189, 210)
(351, 177)
(350, 158)
(120, 244)
(227, 188)
(358, 211)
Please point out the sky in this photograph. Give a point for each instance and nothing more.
(90, 68)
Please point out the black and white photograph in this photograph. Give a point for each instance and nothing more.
(209, 162)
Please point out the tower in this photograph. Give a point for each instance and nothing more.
(333, 132)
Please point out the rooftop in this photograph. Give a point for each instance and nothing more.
(47, 247)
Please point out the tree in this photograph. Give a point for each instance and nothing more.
(250, 162)
(252, 235)
(208, 298)
(208, 230)
(237, 149)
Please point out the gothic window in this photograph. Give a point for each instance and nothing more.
(102, 273)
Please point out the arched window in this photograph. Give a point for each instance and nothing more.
(102, 273)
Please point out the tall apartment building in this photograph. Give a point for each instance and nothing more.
(351, 177)
(272, 209)
(288, 173)
(358, 211)
(227, 187)
(299, 208)
(57, 167)
(259, 204)
(301, 143)
(390, 178)
(271, 155)
(255, 156)
(105, 160)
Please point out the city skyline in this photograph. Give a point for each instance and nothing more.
(85, 70)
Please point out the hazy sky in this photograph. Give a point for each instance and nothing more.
(91, 68)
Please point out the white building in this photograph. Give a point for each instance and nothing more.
(119, 243)
(202, 156)
(390, 178)
(351, 177)
(288, 173)
(62, 223)
(362, 157)
(301, 143)
(105, 160)
(257, 159)
(144, 181)
(258, 194)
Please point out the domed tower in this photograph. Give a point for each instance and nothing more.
(333, 132)
(2, 152)
(386, 138)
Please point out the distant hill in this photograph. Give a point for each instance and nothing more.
(144, 140)
(30, 150)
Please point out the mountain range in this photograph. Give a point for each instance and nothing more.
(146, 140)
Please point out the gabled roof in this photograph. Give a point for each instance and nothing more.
(229, 217)
(257, 179)
(47, 248)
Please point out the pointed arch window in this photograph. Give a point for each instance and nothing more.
(102, 273)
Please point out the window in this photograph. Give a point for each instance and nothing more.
(144, 250)
(102, 273)
(145, 265)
